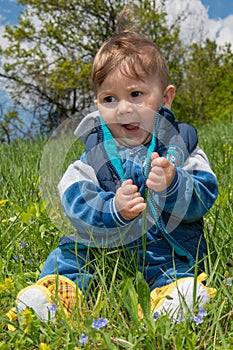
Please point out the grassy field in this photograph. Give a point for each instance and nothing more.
(28, 235)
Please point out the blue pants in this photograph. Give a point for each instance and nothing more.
(78, 266)
(64, 261)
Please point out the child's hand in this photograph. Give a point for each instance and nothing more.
(129, 201)
(162, 173)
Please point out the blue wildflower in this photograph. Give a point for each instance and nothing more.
(52, 310)
(202, 312)
(83, 339)
(180, 319)
(156, 315)
(18, 258)
(199, 318)
(22, 244)
(229, 281)
(99, 323)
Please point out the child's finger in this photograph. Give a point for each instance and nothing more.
(160, 162)
(154, 155)
(128, 187)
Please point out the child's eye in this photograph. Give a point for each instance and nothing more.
(109, 99)
(136, 93)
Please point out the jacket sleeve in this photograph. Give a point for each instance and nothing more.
(193, 191)
(85, 203)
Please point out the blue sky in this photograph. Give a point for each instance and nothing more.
(219, 22)
(9, 9)
(219, 8)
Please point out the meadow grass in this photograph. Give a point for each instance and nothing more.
(28, 235)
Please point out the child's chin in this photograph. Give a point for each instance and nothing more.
(129, 143)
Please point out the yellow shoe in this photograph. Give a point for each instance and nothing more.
(42, 297)
(39, 299)
(63, 288)
(176, 298)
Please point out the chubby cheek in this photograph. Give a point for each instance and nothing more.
(148, 121)
(107, 114)
(114, 128)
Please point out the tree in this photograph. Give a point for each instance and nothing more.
(48, 61)
(10, 125)
(206, 90)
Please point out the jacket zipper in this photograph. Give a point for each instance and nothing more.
(109, 161)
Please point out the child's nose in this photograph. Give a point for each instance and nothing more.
(124, 107)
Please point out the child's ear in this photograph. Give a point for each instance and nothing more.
(168, 97)
(96, 102)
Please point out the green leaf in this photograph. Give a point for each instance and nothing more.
(130, 299)
(143, 291)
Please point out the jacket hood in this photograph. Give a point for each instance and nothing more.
(86, 126)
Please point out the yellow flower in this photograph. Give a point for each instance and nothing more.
(9, 283)
(3, 202)
(27, 320)
(27, 317)
(44, 346)
(12, 315)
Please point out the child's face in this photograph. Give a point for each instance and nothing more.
(128, 106)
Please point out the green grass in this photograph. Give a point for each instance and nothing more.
(28, 236)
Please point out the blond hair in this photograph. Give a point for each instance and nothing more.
(135, 56)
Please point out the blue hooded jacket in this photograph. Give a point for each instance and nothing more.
(169, 234)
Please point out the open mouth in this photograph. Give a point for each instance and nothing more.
(131, 127)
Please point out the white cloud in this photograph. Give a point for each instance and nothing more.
(192, 15)
(221, 30)
(196, 24)
(3, 41)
